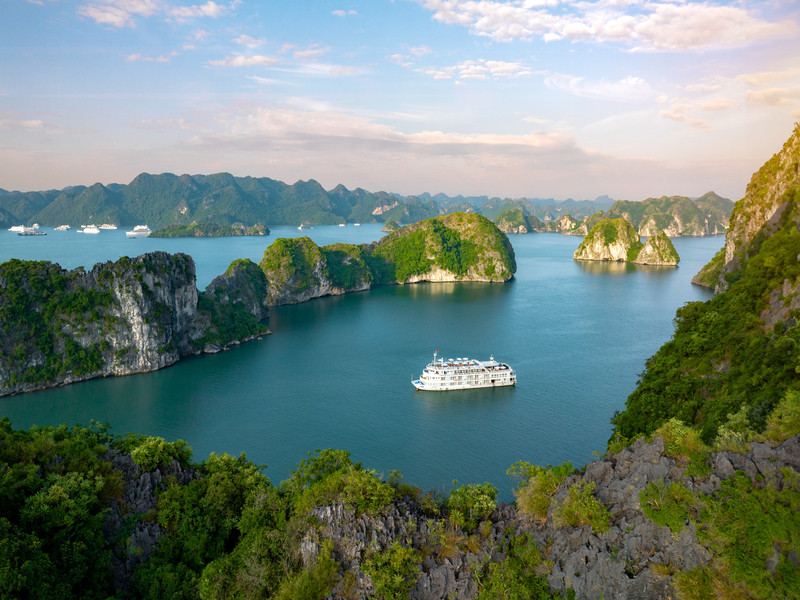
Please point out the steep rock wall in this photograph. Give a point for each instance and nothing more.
(129, 316)
(757, 215)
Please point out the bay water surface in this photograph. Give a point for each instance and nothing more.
(337, 371)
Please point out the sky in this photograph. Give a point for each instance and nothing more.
(516, 98)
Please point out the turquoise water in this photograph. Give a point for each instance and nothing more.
(337, 371)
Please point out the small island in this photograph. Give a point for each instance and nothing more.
(207, 229)
(617, 240)
(454, 247)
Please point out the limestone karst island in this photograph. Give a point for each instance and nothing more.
(617, 240)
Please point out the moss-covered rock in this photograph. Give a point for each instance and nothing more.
(610, 239)
(455, 247)
(658, 250)
(236, 303)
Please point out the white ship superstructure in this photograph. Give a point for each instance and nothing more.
(464, 374)
(139, 231)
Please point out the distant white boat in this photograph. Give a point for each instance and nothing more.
(90, 229)
(139, 231)
(62, 227)
(107, 226)
(356, 224)
(341, 224)
(31, 230)
(304, 226)
(17, 228)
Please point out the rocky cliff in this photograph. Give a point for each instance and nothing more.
(772, 189)
(123, 317)
(456, 247)
(658, 250)
(631, 556)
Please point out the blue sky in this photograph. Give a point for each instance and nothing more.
(537, 98)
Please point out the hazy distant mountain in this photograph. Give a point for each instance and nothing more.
(223, 199)
(676, 215)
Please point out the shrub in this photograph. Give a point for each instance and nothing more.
(475, 502)
(784, 422)
(666, 505)
(521, 576)
(358, 489)
(538, 486)
(580, 507)
(312, 583)
(150, 452)
(394, 571)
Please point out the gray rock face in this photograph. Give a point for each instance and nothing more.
(134, 315)
(138, 498)
(633, 559)
(139, 315)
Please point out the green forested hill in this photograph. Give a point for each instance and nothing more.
(222, 199)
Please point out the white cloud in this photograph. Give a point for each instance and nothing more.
(250, 42)
(30, 125)
(344, 13)
(209, 9)
(123, 13)
(628, 89)
(774, 96)
(642, 26)
(768, 77)
(256, 60)
(677, 112)
(161, 124)
(716, 104)
(420, 51)
(401, 59)
(324, 70)
(265, 80)
(310, 53)
(694, 88)
(478, 69)
(138, 57)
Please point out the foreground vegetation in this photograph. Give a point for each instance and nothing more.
(227, 533)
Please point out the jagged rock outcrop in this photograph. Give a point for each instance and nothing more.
(130, 316)
(772, 189)
(455, 247)
(635, 558)
(610, 239)
(658, 250)
(139, 497)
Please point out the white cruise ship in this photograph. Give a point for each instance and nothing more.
(464, 374)
(139, 231)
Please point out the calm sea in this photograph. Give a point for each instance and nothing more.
(336, 373)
